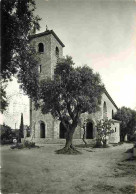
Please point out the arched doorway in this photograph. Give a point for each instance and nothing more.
(89, 130)
(42, 130)
(62, 134)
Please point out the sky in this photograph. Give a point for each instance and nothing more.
(101, 34)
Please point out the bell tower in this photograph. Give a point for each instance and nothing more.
(49, 48)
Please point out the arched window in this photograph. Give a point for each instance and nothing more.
(112, 114)
(42, 129)
(57, 53)
(41, 47)
(89, 130)
(63, 131)
(104, 110)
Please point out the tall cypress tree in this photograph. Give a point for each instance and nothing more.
(21, 129)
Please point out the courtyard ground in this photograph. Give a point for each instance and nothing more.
(41, 171)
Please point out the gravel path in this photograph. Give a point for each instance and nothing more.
(95, 171)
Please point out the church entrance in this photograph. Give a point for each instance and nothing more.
(62, 134)
(89, 130)
(42, 130)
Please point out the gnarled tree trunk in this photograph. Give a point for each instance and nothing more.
(69, 139)
(69, 148)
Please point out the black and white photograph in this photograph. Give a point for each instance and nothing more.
(68, 97)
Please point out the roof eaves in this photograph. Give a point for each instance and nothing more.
(46, 33)
(57, 38)
(107, 94)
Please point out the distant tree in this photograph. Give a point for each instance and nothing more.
(6, 134)
(21, 129)
(127, 117)
(18, 23)
(132, 123)
(73, 91)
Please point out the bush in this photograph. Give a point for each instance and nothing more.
(17, 145)
(25, 144)
(6, 134)
(6, 141)
(28, 144)
(98, 144)
(104, 129)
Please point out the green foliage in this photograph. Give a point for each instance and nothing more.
(3, 98)
(104, 129)
(127, 117)
(25, 144)
(72, 92)
(6, 134)
(132, 123)
(17, 56)
(28, 144)
(18, 21)
(17, 145)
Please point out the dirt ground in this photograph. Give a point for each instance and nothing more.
(41, 171)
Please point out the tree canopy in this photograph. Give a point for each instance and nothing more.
(73, 91)
(127, 117)
(18, 21)
(17, 55)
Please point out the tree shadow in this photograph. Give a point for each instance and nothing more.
(84, 146)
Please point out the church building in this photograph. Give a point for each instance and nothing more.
(46, 129)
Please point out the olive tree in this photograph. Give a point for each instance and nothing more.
(73, 91)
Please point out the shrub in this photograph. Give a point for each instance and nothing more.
(6, 134)
(28, 144)
(6, 141)
(25, 144)
(17, 145)
(103, 131)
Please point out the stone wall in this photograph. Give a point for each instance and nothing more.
(45, 57)
(54, 44)
(110, 106)
(48, 120)
(52, 127)
(48, 61)
(115, 136)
